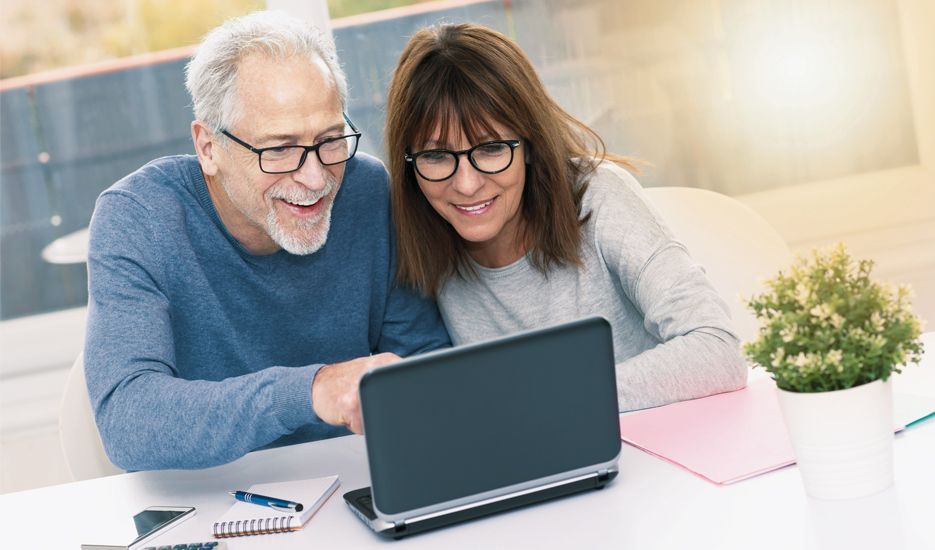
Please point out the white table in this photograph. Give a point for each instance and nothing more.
(652, 504)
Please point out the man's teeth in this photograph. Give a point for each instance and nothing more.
(475, 208)
(302, 203)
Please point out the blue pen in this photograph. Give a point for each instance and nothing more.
(274, 503)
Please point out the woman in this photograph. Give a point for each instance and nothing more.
(510, 213)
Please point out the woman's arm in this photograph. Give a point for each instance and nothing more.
(698, 352)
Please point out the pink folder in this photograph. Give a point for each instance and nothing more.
(722, 438)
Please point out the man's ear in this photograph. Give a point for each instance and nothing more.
(202, 136)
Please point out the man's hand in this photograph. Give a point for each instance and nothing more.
(334, 390)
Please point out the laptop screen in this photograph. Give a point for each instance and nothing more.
(461, 422)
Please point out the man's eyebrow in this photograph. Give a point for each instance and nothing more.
(333, 128)
(294, 137)
(277, 137)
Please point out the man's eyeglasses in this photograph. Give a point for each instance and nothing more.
(289, 158)
(490, 157)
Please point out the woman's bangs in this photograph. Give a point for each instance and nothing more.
(459, 106)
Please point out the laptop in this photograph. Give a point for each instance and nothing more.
(461, 433)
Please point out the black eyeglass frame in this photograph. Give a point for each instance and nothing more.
(307, 148)
(512, 143)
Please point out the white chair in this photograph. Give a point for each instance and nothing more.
(81, 442)
(736, 246)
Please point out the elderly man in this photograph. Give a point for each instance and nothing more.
(237, 297)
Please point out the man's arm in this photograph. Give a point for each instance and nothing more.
(148, 416)
(335, 390)
(412, 325)
(411, 322)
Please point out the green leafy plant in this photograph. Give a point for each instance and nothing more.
(827, 326)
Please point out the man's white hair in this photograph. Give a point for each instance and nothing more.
(211, 75)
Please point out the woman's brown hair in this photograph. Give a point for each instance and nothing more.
(464, 77)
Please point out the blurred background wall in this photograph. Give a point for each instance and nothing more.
(819, 115)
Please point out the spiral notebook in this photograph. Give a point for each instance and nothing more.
(251, 519)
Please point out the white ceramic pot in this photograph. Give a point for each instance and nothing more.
(843, 439)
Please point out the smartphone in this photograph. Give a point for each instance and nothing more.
(156, 520)
(152, 521)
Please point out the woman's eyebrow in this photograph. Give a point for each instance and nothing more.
(435, 144)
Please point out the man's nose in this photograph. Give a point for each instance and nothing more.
(312, 173)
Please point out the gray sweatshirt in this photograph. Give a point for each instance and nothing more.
(672, 333)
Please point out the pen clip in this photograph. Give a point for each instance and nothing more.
(284, 509)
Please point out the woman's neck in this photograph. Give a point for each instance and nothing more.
(501, 251)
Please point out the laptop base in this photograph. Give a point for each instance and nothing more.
(361, 503)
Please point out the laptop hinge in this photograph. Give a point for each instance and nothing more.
(603, 475)
(399, 527)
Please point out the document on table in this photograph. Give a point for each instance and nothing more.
(910, 409)
(734, 436)
(723, 438)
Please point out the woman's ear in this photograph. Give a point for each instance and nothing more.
(527, 154)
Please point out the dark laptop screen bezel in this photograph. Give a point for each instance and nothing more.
(466, 421)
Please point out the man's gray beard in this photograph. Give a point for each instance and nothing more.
(298, 242)
(311, 234)
(309, 241)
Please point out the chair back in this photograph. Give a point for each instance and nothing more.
(81, 442)
(736, 246)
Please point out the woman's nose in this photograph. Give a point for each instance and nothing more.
(467, 180)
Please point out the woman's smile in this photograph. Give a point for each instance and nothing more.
(476, 208)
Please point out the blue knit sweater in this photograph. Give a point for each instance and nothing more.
(198, 352)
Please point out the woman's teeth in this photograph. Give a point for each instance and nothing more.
(476, 207)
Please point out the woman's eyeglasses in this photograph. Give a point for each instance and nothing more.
(490, 157)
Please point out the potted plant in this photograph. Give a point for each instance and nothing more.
(831, 338)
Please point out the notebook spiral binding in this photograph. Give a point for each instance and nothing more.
(240, 528)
